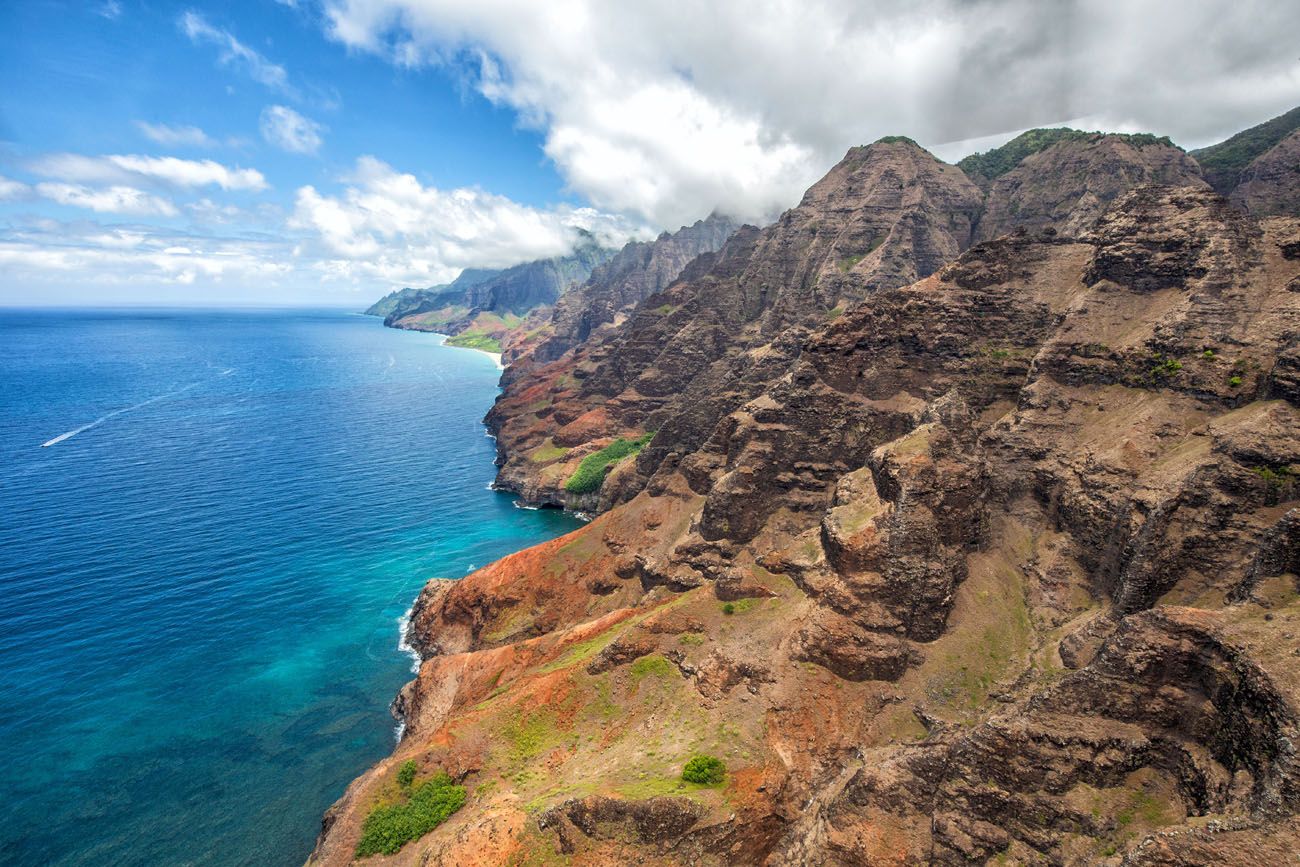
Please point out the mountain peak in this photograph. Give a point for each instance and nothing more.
(992, 164)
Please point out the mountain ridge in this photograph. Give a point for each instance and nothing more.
(950, 549)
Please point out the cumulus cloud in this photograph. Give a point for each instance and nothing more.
(128, 169)
(235, 54)
(387, 226)
(175, 136)
(113, 200)
(668, 110)
(289, 130)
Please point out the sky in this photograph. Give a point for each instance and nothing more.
(328, 151)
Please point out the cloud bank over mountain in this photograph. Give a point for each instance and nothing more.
(668, 110)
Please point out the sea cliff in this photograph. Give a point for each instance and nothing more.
(961, 526)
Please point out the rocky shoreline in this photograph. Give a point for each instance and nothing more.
(966, 529)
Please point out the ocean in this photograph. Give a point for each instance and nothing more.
(211, 523)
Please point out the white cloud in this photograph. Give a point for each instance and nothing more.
(235, 54)
(388, 227)
(175, 136)
(289, 130)
(113, 200)
(112, 10)
(125, 257)
(11, 189)
(670, 109)
(138, 169)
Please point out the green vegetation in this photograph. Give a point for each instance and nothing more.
(740, 606)
(1165, 367)
(475, 341)
(1224, 161)
(391, 826)
(846, 264)
(704, 769)
(1235, 381)
(998, 161)
(896, 139)
(1208, 354)
(653, 665)
(529, 735)
(1277, 478)
(591, 472)
(406, 773)
(548, 451)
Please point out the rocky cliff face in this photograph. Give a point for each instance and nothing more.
(635, 273)
(1224, 162)
(1270, 184)
(410, 297)
(990, 560)
(952, 557)
(492, 303)
(535, 284)
(884, 216)
(1069, 184)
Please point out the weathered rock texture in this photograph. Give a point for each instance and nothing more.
(1069, 184)
(1271, 183)
(955, 563)
(886, 216)
(636, 272)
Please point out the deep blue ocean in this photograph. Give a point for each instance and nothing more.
(200, 588)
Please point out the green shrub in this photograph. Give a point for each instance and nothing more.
(1165, 367)
(705, 770)
(728, 608)
(1235, 381)
(391, 826)
(406, 774)
(1207, 354)
(591, 472)
(895, 139)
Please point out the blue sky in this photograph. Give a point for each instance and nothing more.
(129, 79)
(326, 151)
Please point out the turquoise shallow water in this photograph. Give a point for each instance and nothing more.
(200, 589)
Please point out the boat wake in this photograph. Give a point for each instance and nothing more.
(97, 422)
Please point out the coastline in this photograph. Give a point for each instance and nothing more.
(495, 356)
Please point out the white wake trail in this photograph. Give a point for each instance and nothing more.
(97, 422)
